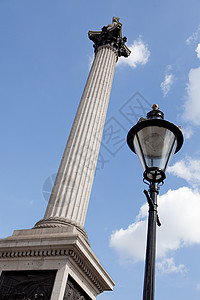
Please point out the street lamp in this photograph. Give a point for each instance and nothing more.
(155, 140)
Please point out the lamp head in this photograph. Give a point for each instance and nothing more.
(155, 140)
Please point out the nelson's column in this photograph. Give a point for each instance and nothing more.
(53, 260)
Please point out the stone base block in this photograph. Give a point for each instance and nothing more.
(50, 264)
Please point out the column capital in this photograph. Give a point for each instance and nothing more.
(111, 35)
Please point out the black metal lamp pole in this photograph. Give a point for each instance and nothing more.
(155, 140)
(149, 277)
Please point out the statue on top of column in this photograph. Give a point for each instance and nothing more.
(111, 35)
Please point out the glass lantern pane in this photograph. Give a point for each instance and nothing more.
(155, 146)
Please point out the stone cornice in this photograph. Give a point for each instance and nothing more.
(111, 35)
(51, 253)
(32, 253)
(85, 269)
(27, 245)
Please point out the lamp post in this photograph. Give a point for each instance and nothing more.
(155, 140)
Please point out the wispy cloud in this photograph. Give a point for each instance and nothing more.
(168, 266)
(192, 104)
(166, 84)
(188, 169)
(198, 50)
(187, 132)
(130, 243)
(193, 37)
(139, 54)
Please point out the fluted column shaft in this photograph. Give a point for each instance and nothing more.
(71, 192)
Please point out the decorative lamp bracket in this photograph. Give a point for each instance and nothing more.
(152, 206)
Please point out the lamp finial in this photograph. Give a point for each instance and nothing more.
(155, 107)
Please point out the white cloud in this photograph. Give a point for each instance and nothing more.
(179, 214)
(167, 266)
(192, 105)
(130, 242)
(194, 36)
(139, 54)
(166, 84)
(188, 169)
(198, 50)
(187, 132)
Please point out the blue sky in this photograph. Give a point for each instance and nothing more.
(45, 56)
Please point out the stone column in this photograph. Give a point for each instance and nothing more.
(71, 192)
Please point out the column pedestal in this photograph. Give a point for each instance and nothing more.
(38, 253)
